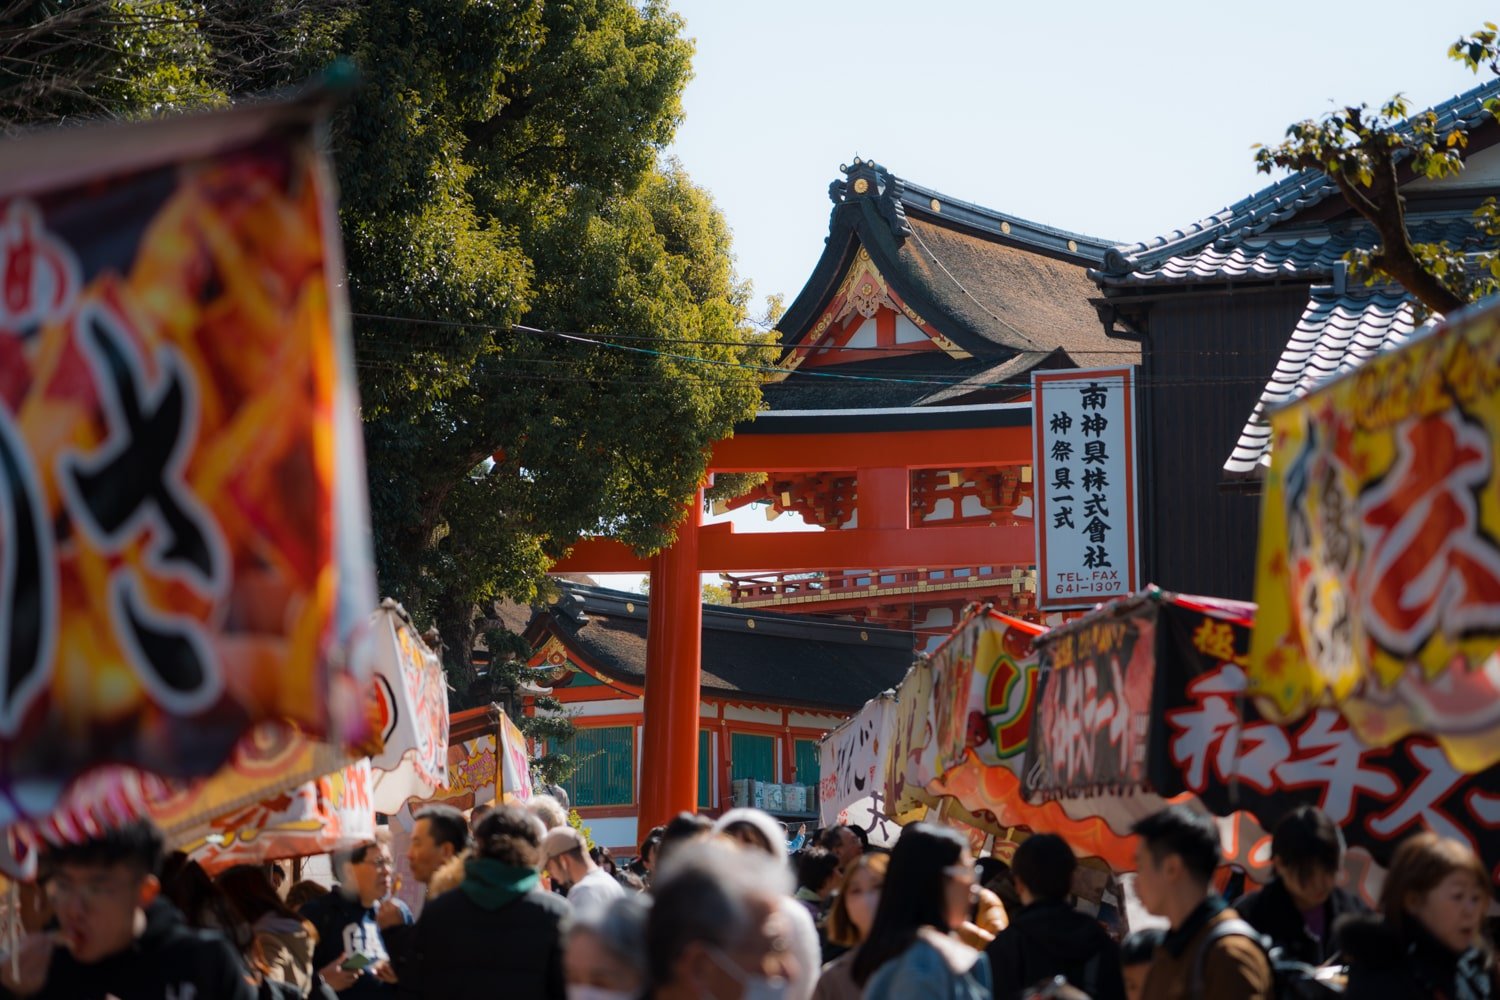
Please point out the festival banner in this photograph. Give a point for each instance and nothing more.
(184, 542)
(852, 762)
(911, 757)
(1091, 728)
(515, 762)
(1378, 575)
(1084, 460)
(313, 818)
(1218, 747)
(412, 691)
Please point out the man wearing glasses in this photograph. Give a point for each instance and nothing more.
(114, 935)
(351, 955)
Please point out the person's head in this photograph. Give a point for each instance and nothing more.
(683, 828)
(1307, 850)
(930, 883)
(439, 833)
(649, 847)
(853, 911)
(188, 887)
(548, 810)
(276, 874)
(1175, 860)
(566, 855)
(510, 835)
(1043, 868)
(755, 829)
(817, 870)
(249, 889)
(100, 888)
(602, 858)
(716, 928)
(1439, 884)
(1136, 953)
(477, 815)
(843, 842)
(303, 892)
(364, 871)
(605, 955)
(630, 881)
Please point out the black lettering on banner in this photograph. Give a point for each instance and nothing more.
(1095, 424)
(28, 580)
(1094, 453)
(1062, 478)
(1061, 423)
(1095, 396)
(136, 475)
(167, 650)
(1062, 451)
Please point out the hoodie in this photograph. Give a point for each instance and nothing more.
(169, 959)
(1049, 938)
(1411, 965)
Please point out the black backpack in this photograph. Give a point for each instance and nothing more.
(1291, 980)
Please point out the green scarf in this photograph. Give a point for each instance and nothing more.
(491, 884)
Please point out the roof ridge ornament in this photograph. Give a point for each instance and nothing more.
(868, 179)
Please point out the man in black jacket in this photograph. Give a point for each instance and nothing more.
(1300, 910)
(497, 929)
(352, 920)
(1048, 937)
(115, 937)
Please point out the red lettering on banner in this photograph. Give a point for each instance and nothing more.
(1430, 565)
(38, 274)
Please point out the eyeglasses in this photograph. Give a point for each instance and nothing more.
(380, 861)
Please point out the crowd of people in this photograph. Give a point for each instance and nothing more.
(518, 904)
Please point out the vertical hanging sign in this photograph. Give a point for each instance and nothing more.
(1084, 509)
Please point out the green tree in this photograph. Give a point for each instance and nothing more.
(501, 164)
(1365, 151)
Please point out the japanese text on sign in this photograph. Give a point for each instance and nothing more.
(1083, 428)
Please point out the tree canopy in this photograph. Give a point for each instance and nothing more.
(549, 331)
(1369, 152)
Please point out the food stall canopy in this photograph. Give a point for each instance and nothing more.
(1378, 575)
(184, 550)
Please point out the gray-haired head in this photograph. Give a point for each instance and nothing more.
(548, 810)
(706, 891)
(620, 928)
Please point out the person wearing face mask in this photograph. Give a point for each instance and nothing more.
(1427, 943)
(910, 951)
(717, 930)
(605, 957)
(1300, 910)
(849, 922)
(567, 859)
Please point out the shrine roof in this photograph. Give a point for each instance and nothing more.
(1271, 206)
(1338, 331)
(755, 655)
(994, 284)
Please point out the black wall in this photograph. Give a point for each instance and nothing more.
(1204, 362)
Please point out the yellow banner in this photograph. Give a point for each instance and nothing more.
(1378, 576)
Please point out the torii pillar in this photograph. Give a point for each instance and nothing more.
(880, 447)
(674, 676)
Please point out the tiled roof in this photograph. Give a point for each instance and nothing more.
(793, 660)
(1311, 253)
(1277, 203)
(1337, 332)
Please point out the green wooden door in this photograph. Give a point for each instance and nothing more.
(807, 762)
(606, 774)
(705, 769)
(752, 756)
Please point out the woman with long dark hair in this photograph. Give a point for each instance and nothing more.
(849, 923)
(1429, 939)
(910, 950)
(283, 941)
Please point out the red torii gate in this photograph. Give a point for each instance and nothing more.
(881, 448)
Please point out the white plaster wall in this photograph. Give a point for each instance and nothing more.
(616, 833)
(739, 713)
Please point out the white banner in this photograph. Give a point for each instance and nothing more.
(515, 766)
(852, 762)
(413, 696)
(1083, 424)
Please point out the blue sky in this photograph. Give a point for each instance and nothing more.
(1117, 120)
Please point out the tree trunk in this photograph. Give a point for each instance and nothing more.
(456, 623)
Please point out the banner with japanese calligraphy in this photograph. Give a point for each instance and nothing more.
(184, 541)
(1378, 575)
(1218, 747)
(1084, 508)
(852, 763)
(1090, 730)
(911, 756)
(515, 763)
